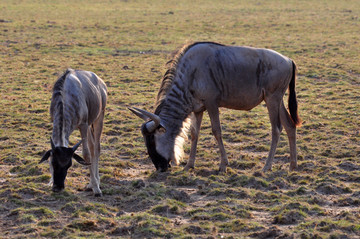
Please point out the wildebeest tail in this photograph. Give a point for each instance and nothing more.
(292, 103)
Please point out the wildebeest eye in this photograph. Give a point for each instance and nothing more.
(161, 130)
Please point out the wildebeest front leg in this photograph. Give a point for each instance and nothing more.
(89, 155)
(195, 130)
(213, 111)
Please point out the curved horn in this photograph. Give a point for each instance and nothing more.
(151, 126)
(145, 115)
(52, 144)
(76, 146)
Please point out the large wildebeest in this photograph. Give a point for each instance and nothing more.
(205, 76)
(78, 101)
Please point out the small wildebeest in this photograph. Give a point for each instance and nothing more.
(205, 76)
(78, 101)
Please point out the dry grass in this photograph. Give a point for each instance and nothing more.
(127, 43)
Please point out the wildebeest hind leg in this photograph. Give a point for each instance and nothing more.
(84, 136)
(97, 129)
(273, 108)
(93, 185)
(290, 129)
(195, 130)
(88, 151)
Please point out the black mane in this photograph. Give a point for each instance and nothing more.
(57, 99)
(170, 74)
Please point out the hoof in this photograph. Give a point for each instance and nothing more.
(187, 168)
(293, 166)
(222, 170)
(98, 195)
(266, 168)
(57, 189)
(293, 169)
(258, 174)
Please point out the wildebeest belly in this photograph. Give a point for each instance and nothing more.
(94, 105)
(242, 99)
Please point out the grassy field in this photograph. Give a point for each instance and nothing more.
(127, 43)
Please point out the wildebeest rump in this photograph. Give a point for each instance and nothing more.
(206, 76)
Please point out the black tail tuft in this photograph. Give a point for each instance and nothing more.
(292, 103)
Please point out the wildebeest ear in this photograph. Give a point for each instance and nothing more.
(76, 146)
(80, 160)
(46, 156)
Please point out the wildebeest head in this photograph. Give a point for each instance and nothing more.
(155, 139)
(60, 163)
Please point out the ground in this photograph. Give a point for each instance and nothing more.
(127, 43)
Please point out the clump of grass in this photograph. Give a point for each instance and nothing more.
(49, 232)
(196, 229)
(221, 216)
(65, 196)
(292, 205)
(330, 189)
(287, 217)
(242, 165)
(280, 183)
(148, 224)
(28, 191)
(231, 193)
(243, 213)
(267, 198)
(328, 225)
(170, 206)
(201, 216)
(83, 225)
(302, 190)
(111, 191)
(239, 225)
(30, 215)
(247, 181)
(70, 207)
(183, 179)
(31, 169)
(192, 212)
(46, 222)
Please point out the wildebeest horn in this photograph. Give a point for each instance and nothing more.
(76, 146)
(52, 144)
(145, 115)
(136, 112)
